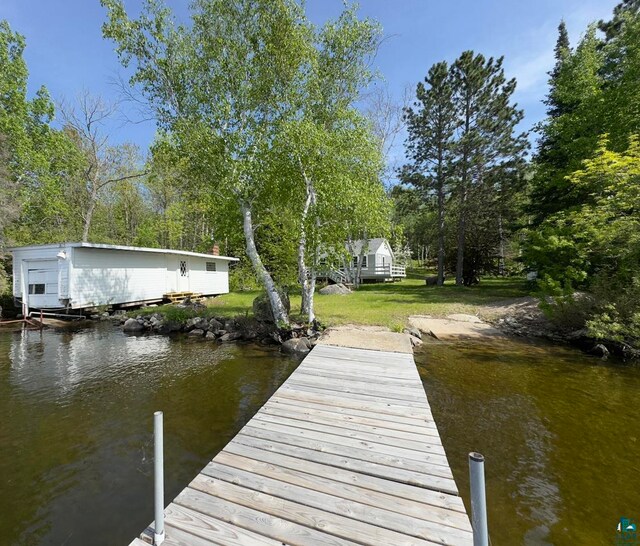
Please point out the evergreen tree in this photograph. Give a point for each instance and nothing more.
(570, 132)
(486, 137)
(431, 127)
(625, 8)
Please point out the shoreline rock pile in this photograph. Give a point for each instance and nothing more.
(297, 339)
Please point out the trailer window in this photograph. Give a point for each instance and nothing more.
(36, 289)
(183, 269)
(211, 266)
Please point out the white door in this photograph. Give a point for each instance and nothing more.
(183, 274)
(42, 288)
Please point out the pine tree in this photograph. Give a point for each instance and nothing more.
(612, 28)
(486, 138)
(554, 102)
(431, 125)
(570, 132)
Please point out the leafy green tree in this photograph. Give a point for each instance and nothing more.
(221, 87)
(596, 246)
(231, 88)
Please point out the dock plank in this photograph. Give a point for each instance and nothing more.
(345, 452)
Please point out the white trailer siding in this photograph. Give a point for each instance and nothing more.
(201, 280)
(80, 275)
(106, 277)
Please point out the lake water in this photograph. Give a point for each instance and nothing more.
(76, 443)
(559, 430)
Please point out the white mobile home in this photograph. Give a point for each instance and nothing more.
(82, 275)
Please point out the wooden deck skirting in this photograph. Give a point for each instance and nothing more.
(345, 452)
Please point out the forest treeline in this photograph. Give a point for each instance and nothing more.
(570, 215)
(264, 148)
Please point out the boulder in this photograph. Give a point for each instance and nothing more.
(413, 332)
(300, 345)
(415, 342)
(230, 336)
(249, 335)
(169, 327)
(339, 288)
(210, 336)
(262, 307)
(601, 351)
(133, 326)
(196, 332)
(215, 325)
(200, 323)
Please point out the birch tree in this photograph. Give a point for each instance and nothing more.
(221, 86)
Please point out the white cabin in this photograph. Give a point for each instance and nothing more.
(84, 275)
(378, 263)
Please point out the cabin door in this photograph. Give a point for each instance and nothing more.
(42, 284)
(183, 275)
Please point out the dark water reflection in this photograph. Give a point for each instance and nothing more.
(560, 432)
(76, 418)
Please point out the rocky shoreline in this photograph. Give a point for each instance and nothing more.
(297, 339)
(524, 318)
(520, 317)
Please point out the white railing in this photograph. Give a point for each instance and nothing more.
(387, 271)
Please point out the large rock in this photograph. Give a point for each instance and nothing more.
(229, 336)
(413, 331)
(200, 323)
(132, 326)
(169, 328)
(339, 288)
(262, 307)
(300, 345)
(196, 332)
(215, 325)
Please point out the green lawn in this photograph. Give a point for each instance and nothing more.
(388, 304)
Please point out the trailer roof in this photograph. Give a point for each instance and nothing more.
(122, 247)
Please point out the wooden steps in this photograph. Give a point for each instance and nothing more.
(179, 297)
(345, 452)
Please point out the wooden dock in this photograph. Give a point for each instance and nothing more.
(345, 452)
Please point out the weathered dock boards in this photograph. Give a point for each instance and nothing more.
(345, 452)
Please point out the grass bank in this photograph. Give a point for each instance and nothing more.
(388, 304)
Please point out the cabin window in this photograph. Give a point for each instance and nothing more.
(211, 266)
(36, 289)
(364, 262)
(183, 269)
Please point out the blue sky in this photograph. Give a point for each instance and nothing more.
(66, 51)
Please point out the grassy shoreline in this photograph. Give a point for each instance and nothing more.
(387, 304)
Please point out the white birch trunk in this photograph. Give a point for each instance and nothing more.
(279, 312)
(307, 283)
